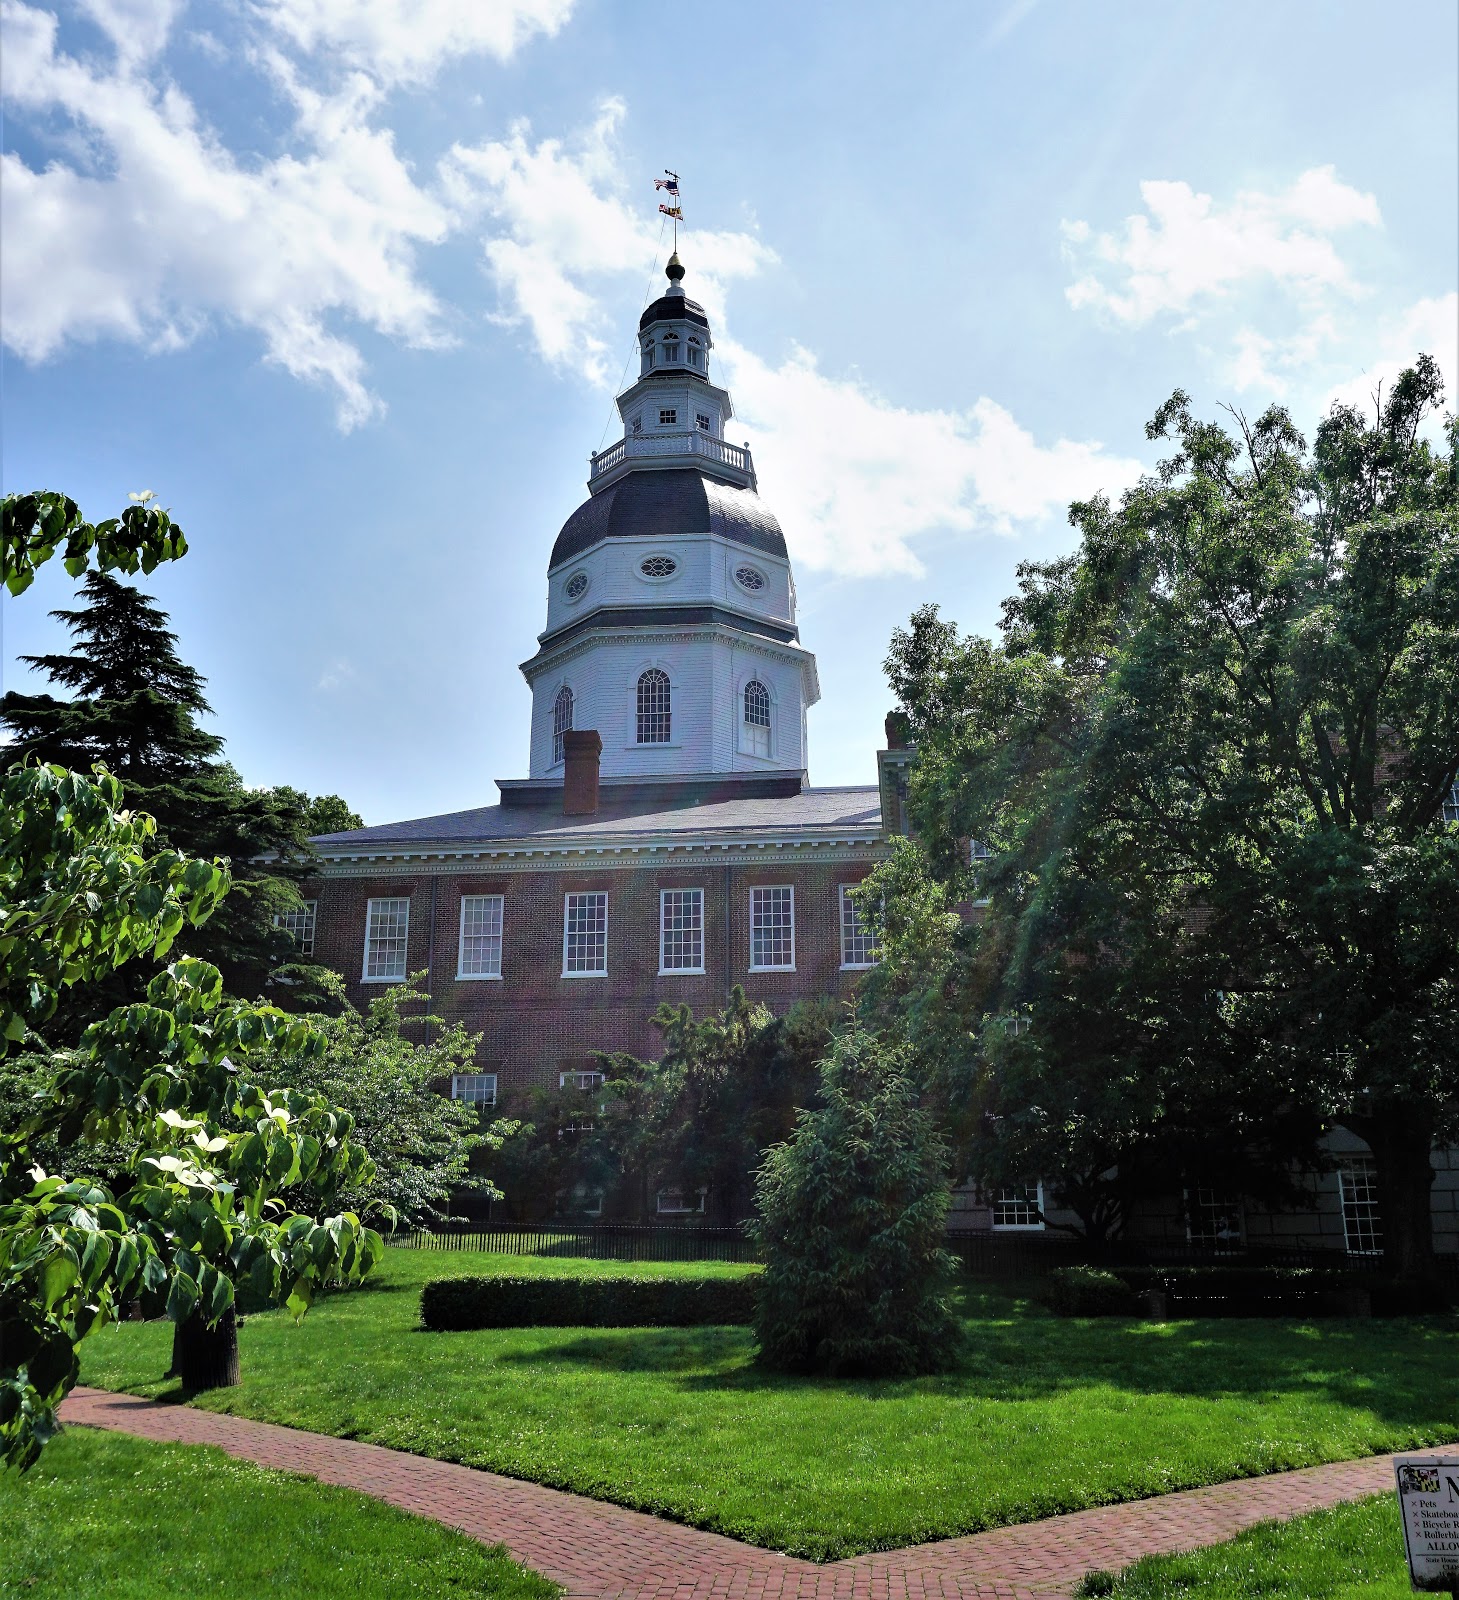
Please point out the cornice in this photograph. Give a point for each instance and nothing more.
(555, 656)
(523, 856)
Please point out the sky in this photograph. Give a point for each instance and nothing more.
(351, 284)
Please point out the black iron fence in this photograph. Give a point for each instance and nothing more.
(1001, 1256)
(603, 1241)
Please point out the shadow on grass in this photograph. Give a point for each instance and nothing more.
(1389, 1368)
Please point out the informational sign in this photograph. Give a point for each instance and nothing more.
(1428, 1500)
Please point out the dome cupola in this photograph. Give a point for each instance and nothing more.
(670, 607)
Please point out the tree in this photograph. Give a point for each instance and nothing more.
(1209, 756)
(699, 1119)
(133, 708)
(34, 526)
(84, 890)
(851, 1219)
(421, 1141)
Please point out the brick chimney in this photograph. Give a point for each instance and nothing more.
(897, 726)
(581, 748)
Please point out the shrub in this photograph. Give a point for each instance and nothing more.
(1090, 1292)
(852, 1212)
(503, 1301)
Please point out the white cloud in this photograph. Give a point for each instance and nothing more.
(336, 675)
(175, 230)
(1428, 327)
(138, 28)
(1186, 250)
(855, 479)
(407, 41)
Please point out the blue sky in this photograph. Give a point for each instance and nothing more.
(350, 285)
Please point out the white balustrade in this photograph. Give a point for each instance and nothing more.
(696, 443)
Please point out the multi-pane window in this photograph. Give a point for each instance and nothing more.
(757, 718)
(579, 1078)
(561, 719)
(654, 720)
(658, 567)
(475, 1088)
(1018, 1205)
(585, 934)
(387, 929)
(1451, 805)
(638, 421)
(978, 851)
(858, 945)
(772, 929)
(671, 349)
(300, 923)
(701, 420)
(1362, 1221)
(681, 930)
(668, 416)
(676, 1202)
(1214, 1218)
(481, 936)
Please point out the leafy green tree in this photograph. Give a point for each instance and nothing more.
(133, 706)
(851, 1219)
(84, 890)
(81, 890)
(34, 526)
(1209, 755)
(698, 1119)
(423, 1143)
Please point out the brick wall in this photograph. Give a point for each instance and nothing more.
(533, 1019)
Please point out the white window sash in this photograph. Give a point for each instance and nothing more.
(460, 1079)
(462, 975)
(567, 899)
(1037, 1226)
(371, 912)
(665, 970)
(788, 966)
(843, 905)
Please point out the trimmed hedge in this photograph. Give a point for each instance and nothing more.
(1237, 1290)
(503, 1301)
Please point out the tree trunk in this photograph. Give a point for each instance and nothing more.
(1401, 1139)
(204, 1357)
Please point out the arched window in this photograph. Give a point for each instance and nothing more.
(757, 718)
(561, 720)
(653, 707)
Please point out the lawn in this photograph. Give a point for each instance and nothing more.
(1042, 1415)
(1353, 1552)
(102, 1514)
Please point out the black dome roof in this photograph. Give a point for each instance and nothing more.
(674, 308)
(649, 505)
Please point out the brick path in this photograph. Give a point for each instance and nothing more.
(598, 1551)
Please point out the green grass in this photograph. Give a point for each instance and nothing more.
(1353, 1552)
(1042, 1415)
(128, 1519)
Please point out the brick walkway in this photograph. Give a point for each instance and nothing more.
(598, 1551)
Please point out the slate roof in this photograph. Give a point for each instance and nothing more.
(828, 811)
(668, 504)
(674, 308)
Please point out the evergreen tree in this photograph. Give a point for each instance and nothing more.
(852, 1219)
(133, 707)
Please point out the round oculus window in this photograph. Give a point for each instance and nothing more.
(577, 586)
(658, 567)
(748, 578)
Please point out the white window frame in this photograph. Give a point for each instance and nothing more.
(680, 1210)
(366, 976)
(462, 975)
(1206, 1200)
(582, 1078)
(766, 888)
(844, 904)
(636, 726)
(309, 910)
(1449, 811)
(559, 728)
(668, 416)
(666, 971)
(702, 422)
(460, 1078)
(994, 1201)
(581, 894)
(757, 738)
(1346, 1171)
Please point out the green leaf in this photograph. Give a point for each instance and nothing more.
(59, 1276)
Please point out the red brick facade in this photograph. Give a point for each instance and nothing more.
(533, 1020)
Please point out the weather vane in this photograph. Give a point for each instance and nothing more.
(671, 184)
